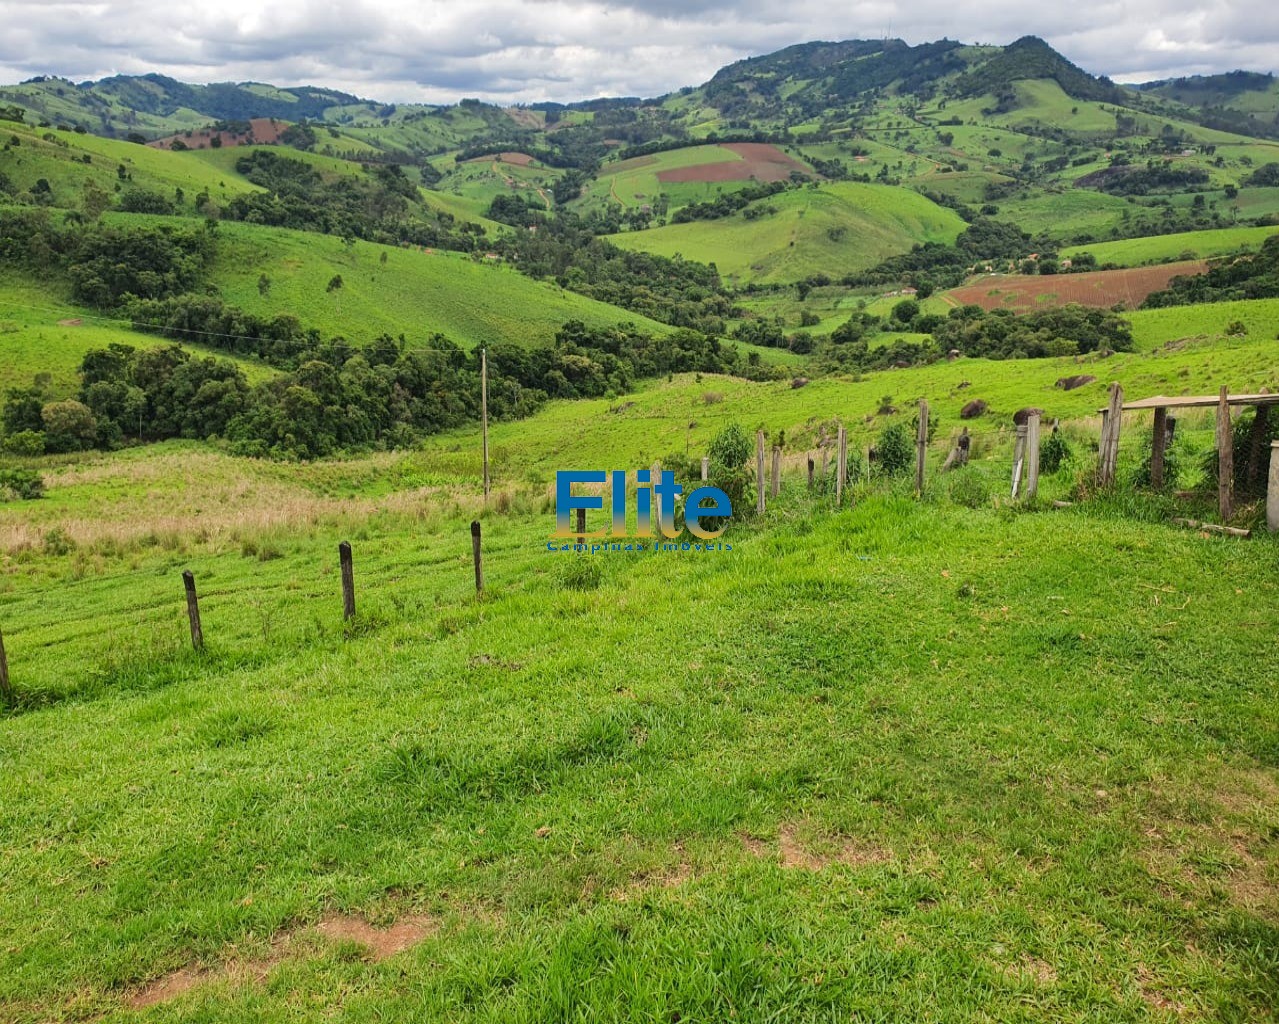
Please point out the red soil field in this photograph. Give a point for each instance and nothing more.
(759, 161)
(263, 131)
(515, 159)
(1100, 288)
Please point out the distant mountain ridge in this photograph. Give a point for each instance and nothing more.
(760, 93)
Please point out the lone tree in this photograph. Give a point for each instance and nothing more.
(335, 285)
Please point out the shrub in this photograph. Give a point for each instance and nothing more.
(895, 449)
(26, 484)
(24, 442)
(731, 448)
(56, 542)
(729, 453)
(968, 488)
(68, 426)
(1054, 450)
(580, 573)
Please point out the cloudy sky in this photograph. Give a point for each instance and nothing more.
(528, 50)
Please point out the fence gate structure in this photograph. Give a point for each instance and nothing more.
(1254, 452)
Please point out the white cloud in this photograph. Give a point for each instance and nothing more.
(528, 50)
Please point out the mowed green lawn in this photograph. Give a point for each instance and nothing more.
(909, 761)
(833, 229)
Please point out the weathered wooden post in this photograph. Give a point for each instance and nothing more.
(777, 472)
(1225, 458)
(1111, 422)
(1272, 498)
(921, 446)
(348, 581)
(824, 467)
(841, 467)
(706, 468)
(193, 610)
(6, 690)
(1032, 456)
(484, 413)
(1019, 458)
(810, 472)
(581, 526)
(1158, 445)
(761, 481)
(475, 551)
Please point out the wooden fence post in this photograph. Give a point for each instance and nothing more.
(1019, 459)
(810, 472)
(761, 481)
(193, 610)
(1111, 422)
(581, 526)
(1032, 456)
(475, 550)
(706, 468)
(1158, 446)
(921, 446)
(6, 690)
(841, 466)
(825, 453)
(1272, 498)
(348, 581)
(1225, 458)
(777, 471)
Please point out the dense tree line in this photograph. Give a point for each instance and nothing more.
(728, 203)
(1002, 334)
(1254, 276)
(105, 263)
(947, 265)
(565, 249)
(1158, 177)
(380, 205)
(338, 397)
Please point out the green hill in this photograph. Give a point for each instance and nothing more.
(414, 292)
(45, 334)
(832, 230)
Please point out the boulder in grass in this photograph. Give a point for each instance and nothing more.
(799, 382)
(1022, 415)
(973, 409)
(1077, 381)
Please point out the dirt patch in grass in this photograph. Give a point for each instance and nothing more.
(665, 876)
(1101, 288)
(379, 944)
(262, 131)
(1218, 834)
(759, 162)
(791, 853)
(1149, 988)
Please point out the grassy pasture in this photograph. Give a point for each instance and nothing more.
(61, 164)
(415, 293)
(911, 759)
(1131, 252)
(43, 333)
(833, 229)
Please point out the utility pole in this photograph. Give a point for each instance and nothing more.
(484, 413)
